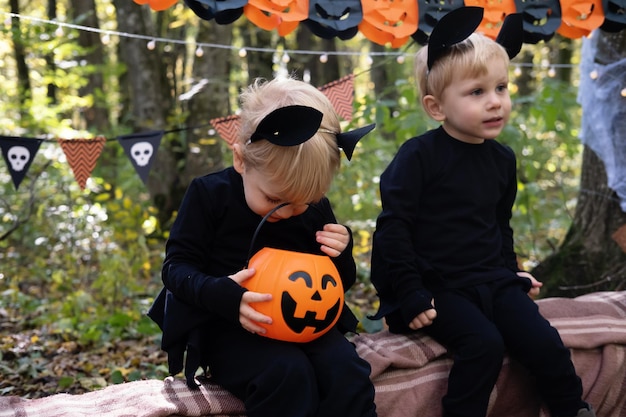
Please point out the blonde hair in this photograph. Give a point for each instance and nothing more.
(303, 172)
(468, 58)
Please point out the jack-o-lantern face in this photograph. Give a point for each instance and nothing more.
(283, 15)
(328, 18)
(580, 17)
(223, 11)
(614, 15)
(541, 19)
(493, 18)
(431, 12)
(299, 313)
(386, 21)
(307, 293)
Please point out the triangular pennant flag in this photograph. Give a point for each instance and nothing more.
(227, 127)
(19, 154)
(141, 149)
(341, 95)
(82, 155)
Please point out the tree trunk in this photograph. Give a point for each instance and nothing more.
(148, 103)
(96, 117)
(50, 65)
(590, 258)
(23, 78)
(210, 74)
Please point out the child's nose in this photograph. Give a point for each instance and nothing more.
(291, 210)
(495, 100)
(285, 212)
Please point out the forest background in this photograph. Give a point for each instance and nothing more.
(79, 268)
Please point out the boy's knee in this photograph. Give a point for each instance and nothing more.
(486, 346)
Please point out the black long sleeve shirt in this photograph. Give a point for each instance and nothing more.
(211, 239)
(445, 220)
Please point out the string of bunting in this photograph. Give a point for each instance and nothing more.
(395, 22)
(82, 154)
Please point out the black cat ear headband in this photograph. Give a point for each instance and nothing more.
(293, 125)
(460, 23)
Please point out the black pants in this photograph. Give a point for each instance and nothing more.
(478, 325)
(324, 378)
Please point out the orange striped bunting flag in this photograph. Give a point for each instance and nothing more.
(82, 155)
(341, 95)
(227, 127)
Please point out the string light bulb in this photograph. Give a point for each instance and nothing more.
(286, 58)
(151, 45)
(400, 59)
(243, 52)
(324, 58)
(551, 72)
(623, 92)
(199, 52)
(59, 31)
(106, 39)
(593, 74)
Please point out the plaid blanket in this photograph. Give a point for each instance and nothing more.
(409, 373)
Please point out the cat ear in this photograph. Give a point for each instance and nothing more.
(288, 126)
(348, 140)
(511, 35)
(454, 27)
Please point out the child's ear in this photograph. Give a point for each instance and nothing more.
(238, 158)
(433, 108)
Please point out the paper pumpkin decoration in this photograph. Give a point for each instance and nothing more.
(157, 5)
(389, 21)
(284, 15)
(307, 293)
(328, 19)
(493, 17)
(580, 17)
(222, 11)
(430, 12)
(614, 15)
(542, 18)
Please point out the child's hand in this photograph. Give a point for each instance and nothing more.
(248, 316)
(334, 239)
(425, 318)
(535, 285)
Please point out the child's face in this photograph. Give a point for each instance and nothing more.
(261, 197)
(477, 108)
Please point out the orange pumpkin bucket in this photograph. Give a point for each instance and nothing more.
(306, 289)
(307, 292)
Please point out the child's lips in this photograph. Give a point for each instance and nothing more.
(496, 121)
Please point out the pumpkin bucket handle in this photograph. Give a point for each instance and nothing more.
(258, 228)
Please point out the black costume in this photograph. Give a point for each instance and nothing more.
(198, 310)
(444, 233)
